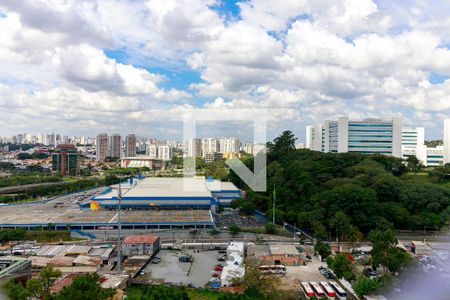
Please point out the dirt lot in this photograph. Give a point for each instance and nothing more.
(294, 275)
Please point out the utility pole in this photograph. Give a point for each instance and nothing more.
(273, 209)
(119, 227)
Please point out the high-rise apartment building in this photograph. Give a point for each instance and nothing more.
(164, 153)
(362, 136)
(194, 147)
(130, 145)
(65, 160)
(115, 145)
(152, 151)
(229, 144)
(102, 147)
(209, 145)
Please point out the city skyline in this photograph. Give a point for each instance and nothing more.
(81, 71)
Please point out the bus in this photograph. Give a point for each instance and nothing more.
(339, 291)
(309, 293)
(317, 289)
(273, 269)
(328, 290)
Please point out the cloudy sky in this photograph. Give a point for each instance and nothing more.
(83, 67)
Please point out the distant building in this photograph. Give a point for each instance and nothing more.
(367, 136)
(142, 161)
(65, 160)
(164, 153)
(194, 147)
(446, 141)
(140, 245)
(102, 147)
(229, 144)
(209, 145)
(130, 145)
(152, 151)
(210, 157)
(413, 143)
(115, 145)
(258, 148)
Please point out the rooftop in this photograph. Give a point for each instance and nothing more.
(141, 239)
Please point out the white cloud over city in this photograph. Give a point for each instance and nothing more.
(80, 67)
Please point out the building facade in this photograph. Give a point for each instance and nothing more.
(115, 145)
(164, 153)
(140, 245)
(368, 136)
(229, 144)
(152, 151)
(102, 147)
(65, 160)
(413, 143)
(209, 145)
(194, 147)
(130, 145)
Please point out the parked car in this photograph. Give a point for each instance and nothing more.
(185, 259)
(223, 251)
(155, 260)
(222, 258)
(308, 256)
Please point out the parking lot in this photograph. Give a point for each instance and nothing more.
(170, 270)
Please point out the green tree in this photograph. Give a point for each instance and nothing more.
(24, 155)
(157, 292)
(383, 241)
(15, 291)
(262, 285)
(414, 164)
(341, 266)
(85, 287)
(341, 223)
(194, 233)
(323, 249)
(270, 228)
(234, 230)
(365, 286)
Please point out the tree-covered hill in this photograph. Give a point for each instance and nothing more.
(311, 187)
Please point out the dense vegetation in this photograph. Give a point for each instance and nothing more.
(82, 287)
(314, 189)
(41, 236)
(16, 179)
(54, 190)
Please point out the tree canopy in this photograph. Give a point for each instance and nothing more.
(312, 187)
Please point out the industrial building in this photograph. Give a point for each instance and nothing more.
(172, 193)
(149, 204)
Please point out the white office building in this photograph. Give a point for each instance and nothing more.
(413, 143)
(446, 141)
(367, 136)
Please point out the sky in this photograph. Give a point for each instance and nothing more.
(85, 67)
